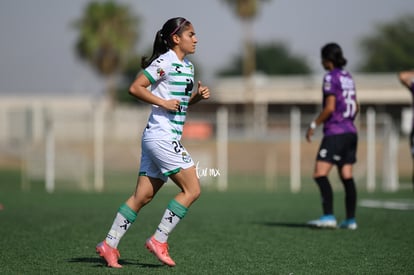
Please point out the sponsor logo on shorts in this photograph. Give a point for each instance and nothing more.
(323, 153)
(186, 157)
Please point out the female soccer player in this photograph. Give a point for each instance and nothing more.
(339, 143)
(171, 77)
(407, 79)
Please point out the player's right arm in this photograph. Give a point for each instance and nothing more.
(326, 112)
(139, 90)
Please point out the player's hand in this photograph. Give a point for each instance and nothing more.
(172, 105)
(309, 134)
(203, 91)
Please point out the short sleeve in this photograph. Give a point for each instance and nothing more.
(331, 85)
(328, 85)
(155, 71)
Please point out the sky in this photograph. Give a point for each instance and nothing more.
(37, 39)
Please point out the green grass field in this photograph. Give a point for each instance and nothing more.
(238, 232)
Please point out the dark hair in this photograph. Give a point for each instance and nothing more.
(333, 52)
(163, 39)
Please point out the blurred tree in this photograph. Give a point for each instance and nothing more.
(391, 48)
(107, 37)
(246, 11)
(128, 75)
(271, 59)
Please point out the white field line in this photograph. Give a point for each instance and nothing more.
(396, 205)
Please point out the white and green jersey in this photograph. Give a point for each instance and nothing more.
(170, 78)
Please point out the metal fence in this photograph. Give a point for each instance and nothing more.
(91, 147)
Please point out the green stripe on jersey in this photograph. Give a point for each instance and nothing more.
(179, 83)
(152, 80)
(177, 122)
(177, 64)
(176, 132)
(178, 113)
(178, 93)
(181, 74)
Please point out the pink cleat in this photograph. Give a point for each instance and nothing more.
(160, 250)
(110, 254)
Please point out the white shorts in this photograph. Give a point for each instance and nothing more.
(162, 158)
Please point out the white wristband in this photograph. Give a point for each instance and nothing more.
(312, 125)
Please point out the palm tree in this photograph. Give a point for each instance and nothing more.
(107, 37)
(247, 10)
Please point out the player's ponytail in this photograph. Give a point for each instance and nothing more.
(163, 38)
(333, 52)
(160, 46)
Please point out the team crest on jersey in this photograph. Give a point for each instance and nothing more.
(327, 86)
(327, 82)
(186, 157)
(160, 72)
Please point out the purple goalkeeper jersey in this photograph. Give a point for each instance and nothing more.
(340, 84)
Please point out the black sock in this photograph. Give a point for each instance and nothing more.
(350, 197)
(326, 194)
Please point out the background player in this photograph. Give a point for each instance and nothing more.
(171, 77)
(339, 143)
(407, 79)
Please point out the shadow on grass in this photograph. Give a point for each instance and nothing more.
(293, 225)
(100, 262)
(286, 224)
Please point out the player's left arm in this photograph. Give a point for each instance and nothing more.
(326, 112)
(203, 92)
(406, 78)
(358, 108)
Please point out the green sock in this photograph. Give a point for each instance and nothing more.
(123, 220)
(172, 216)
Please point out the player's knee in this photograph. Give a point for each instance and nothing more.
(193, 193)
(146, 200)
(141, 200)
(346, 176)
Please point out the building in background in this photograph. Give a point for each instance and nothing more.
(74, 124)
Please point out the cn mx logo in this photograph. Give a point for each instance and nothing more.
(323, 153)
